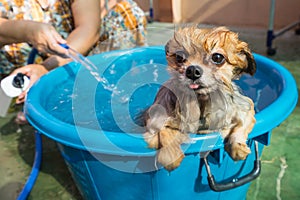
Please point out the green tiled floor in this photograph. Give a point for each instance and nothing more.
(280, 162)
(280, 170)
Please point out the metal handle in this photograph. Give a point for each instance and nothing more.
(219, 187)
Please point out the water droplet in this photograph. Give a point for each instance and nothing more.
(235, 180)
(155, 75)
(124, 99)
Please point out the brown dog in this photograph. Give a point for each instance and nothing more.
(200, 97)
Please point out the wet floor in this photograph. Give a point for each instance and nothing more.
(280, 163)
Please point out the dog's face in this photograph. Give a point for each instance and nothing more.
(205, 59)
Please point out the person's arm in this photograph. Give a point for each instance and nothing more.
(34, 71)
(41, 36)
(86, 15)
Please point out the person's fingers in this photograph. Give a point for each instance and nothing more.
(33, 79)
(24, 70)
(59, 38)
(34, 72)
(27, 72)
(54, 43)
(57, 49)
(21, 98)
(48, 41)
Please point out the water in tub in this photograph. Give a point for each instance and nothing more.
(113, 102)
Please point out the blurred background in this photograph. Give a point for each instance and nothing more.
(242, 13)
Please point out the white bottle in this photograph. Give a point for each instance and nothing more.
(11, 86)
(4, 103)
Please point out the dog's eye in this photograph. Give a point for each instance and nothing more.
(181, 56)
(217, 58)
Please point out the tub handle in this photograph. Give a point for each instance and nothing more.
(219, 187)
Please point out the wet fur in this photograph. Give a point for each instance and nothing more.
(217, 105)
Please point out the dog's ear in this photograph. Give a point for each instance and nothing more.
(167, 48)
(251, 64)
(171, 46)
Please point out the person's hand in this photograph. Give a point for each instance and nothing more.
(34, 72)
(45, 38)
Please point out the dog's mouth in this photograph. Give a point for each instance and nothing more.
(194, 86)
(202, 89)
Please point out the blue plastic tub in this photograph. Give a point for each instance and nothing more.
(96, 131)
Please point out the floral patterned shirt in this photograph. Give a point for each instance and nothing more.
(124, 26)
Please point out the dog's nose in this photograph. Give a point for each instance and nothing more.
(193, 72)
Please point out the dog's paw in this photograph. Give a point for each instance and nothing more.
(238, 151)
(170, 157)
(152, 140)
(170, 154)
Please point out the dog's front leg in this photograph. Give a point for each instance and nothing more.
(164, 132)
(168, 140)
(170, 154)
(236, 140)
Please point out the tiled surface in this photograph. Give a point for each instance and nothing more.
(280, 171)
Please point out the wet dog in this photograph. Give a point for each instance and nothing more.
(201, 97)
